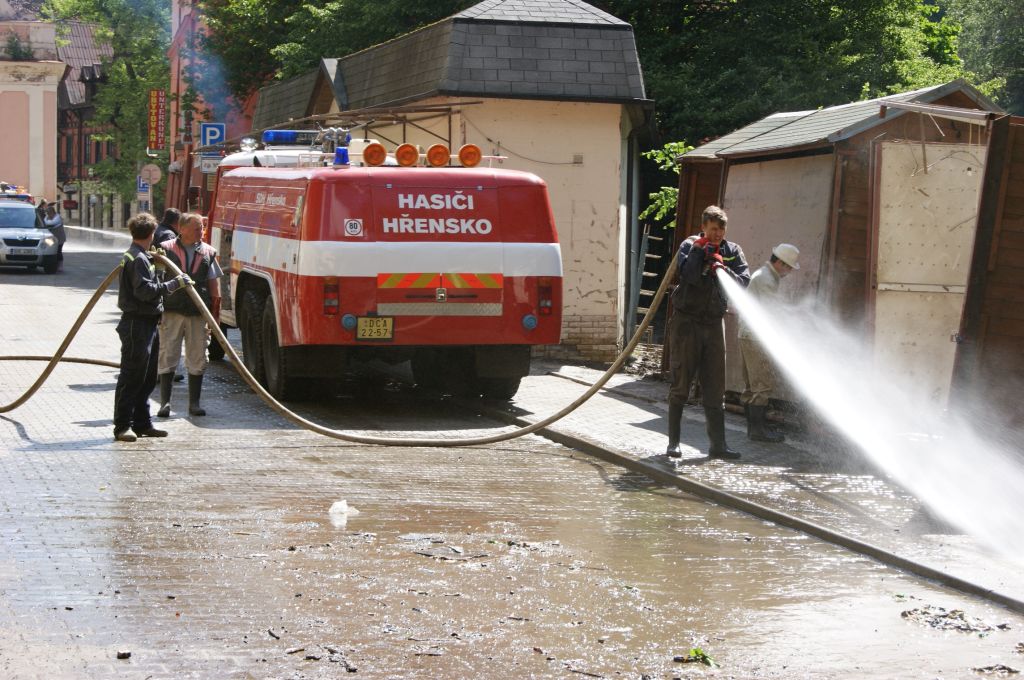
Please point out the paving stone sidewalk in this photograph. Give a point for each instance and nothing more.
(812, 476)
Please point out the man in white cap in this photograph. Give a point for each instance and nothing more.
(758, 376)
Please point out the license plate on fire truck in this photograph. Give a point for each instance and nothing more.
(375, 328)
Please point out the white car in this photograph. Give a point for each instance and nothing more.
(24, 241)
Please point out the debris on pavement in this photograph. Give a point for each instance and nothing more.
(997, 669)
(941, 619)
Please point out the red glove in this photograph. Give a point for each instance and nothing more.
(700, 243)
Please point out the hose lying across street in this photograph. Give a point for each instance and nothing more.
(653, 471)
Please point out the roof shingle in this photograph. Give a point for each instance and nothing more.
(82, 51)
(782, 131)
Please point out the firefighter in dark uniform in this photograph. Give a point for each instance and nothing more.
(696, 332)
(140, 298)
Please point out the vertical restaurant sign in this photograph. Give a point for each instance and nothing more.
(157, 119)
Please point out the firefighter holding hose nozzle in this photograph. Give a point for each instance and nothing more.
(696, 331)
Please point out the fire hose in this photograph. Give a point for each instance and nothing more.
(699, 489)
(309, 424)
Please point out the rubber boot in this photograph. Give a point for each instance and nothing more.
(716, 435)
(675, 417)
(195, 390)
(166, 383)
(757, 426)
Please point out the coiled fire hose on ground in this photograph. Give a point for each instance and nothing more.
(701, 490)
(309, 424)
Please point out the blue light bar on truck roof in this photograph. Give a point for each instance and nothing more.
(282, 137)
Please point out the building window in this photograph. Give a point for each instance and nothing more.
(98, 151)
(88, 153)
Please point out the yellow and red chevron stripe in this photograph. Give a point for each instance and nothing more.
(430, 280)
(408, 280)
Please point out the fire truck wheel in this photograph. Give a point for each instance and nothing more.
(215, 351)
(501, 389)
(275, 364)
(252, 332)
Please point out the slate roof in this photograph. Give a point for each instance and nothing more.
(562, 50)
(83, 56)
(544, 11)
(781, 132)
(284, 101)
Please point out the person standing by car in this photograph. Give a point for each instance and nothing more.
(182, 319)
(55, 224)
(140, 298)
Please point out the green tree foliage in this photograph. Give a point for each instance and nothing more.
(713, 66)
(992, 47)
(138, 33)
(663, 201)
(342, 27)
(239, 43)
(255, 40)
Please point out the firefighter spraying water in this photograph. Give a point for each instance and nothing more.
(697, 331)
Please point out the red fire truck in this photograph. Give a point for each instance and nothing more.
(457, 269)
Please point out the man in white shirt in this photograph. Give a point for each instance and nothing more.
(758, 375)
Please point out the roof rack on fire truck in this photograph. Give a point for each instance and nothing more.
(334, 130)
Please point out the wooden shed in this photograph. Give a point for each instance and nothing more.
(990, 352)
(882, 196)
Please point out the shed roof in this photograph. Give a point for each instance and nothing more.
(782, 132)
(84, 56)
(283, 101)
(527, 49)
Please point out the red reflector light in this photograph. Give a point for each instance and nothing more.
(545, 296)
(331, 295)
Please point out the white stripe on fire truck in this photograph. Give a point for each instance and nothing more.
(340, 258)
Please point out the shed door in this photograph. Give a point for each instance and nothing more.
(772, 202)
(924, 241)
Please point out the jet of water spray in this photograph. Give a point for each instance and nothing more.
(967, 477)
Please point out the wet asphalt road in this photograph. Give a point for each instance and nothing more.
(213, 554)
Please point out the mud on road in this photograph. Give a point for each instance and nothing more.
(214, 553)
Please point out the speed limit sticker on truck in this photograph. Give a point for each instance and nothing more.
(353, 227)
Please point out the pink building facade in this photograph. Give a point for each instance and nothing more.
(29, 77)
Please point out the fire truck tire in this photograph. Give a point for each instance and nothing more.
(275, 364)
(500, 389)
(215, 351)
(252, 334)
